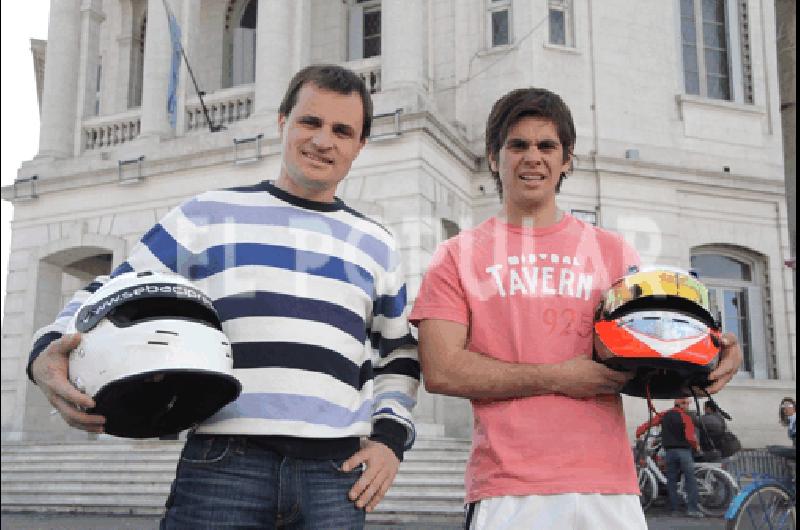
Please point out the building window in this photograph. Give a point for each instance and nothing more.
(587, 216)
(739, 300)
(240, 42)
(561, 25)
(499, 22)
(136, 79)
(99, 74)
(715, 42)
(449, 229)
(364, 30)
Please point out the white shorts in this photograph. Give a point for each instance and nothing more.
(568, 511)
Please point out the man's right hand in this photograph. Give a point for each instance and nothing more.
(50, 372)
(582, 377)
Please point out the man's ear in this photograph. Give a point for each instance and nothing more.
(281, 122)
(567, 166)
(492, 163)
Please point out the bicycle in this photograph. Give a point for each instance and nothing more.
(715, 486)
(768, 502)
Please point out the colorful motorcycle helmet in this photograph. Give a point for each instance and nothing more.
(657, 323)
(152, 355)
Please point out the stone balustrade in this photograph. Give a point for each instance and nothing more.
(224, 106)
(108, 131)
(369, 70)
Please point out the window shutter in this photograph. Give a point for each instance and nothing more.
(355, 33)
(758, 337)
(244, 48)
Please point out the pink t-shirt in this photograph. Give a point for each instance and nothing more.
(528, 296)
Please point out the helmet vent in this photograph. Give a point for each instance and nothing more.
(143, 309)
(167, 332)
(158, 342)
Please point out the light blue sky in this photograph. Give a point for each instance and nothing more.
(19, 115)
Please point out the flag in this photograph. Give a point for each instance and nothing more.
(175, 64)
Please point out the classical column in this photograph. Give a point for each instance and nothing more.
(403, 39)
(157, 56)
(91, 17)
(57, 125)
(274, 54)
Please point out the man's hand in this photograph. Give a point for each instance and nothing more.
(381, 468)
(730, 358)
(582, 377)
(50, 372)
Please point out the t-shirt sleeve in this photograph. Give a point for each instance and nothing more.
(441, 295)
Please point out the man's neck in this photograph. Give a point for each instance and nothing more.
(531, 217)
(308, 193)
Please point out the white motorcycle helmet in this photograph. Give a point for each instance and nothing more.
(152, 355)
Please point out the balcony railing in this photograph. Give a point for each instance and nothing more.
(369, 70)
(108, 131)
(224, 106)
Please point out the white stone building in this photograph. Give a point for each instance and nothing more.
(676, 108)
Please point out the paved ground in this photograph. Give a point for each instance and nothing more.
(657, 518)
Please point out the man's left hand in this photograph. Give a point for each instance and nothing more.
(381, 468)
(730, 358)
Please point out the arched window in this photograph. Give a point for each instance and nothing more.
(739, 299)
(239, 59)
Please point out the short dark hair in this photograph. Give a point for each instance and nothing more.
(522, 103)
(334, 78)
(782, 415)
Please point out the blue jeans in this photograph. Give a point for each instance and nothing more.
(226, 482)
(680, 462)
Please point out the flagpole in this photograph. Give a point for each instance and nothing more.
(211, 127)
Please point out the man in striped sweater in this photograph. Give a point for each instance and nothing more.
(312, 297)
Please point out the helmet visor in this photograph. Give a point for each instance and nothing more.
(664, 325)
(655, 283)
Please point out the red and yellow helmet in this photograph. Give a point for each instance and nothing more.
(657, 322)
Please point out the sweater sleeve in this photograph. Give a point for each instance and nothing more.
(395, 363)
(161, 249)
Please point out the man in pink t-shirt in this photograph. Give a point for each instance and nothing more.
(505, 315)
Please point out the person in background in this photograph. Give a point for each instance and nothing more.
(679, 439)
(712, 427)
(788, 418)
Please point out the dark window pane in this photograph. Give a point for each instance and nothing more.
(688, 31)
(372, 23)
(687, 8)
(722, 267)
(372, 47)
(718, 87)
(714, 36)
(500, 28)
(557, 28)
(372, 33)
(250, 15)
(714, 10)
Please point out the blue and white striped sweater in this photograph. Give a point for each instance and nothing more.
(311, 296)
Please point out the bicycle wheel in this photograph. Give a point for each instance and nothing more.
(648, 486)
(716, 489)
(768, 507)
